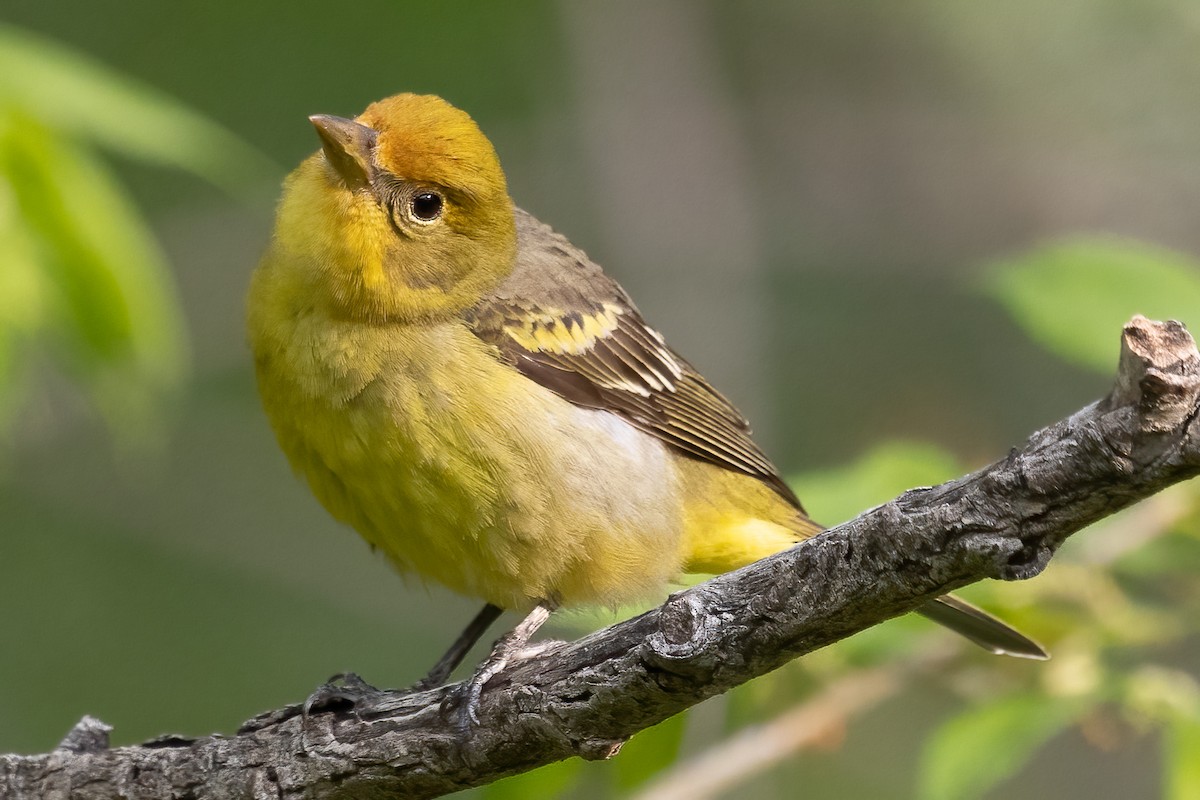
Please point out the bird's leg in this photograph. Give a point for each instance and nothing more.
(346, 687)
(502, 653)
(462, 645)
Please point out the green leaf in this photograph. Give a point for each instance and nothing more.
(81, 98)
(977, 749)
(22, 299)
(1182, 759)
(1073, 296)
(546, 782)
(839, 494)
(107, 286)
(649, 752)
(81, 270)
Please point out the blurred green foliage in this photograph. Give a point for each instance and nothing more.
(1071, 295)
(976, 749)
(84, 280)
(1183, 757)
(85, 289)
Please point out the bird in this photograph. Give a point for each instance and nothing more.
(472, 394)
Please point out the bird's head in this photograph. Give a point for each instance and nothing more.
(402, 215)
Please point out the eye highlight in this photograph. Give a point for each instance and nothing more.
(413, 210)
(426, 206)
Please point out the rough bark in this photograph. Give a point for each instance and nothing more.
(586, 697)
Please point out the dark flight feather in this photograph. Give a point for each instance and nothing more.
(566, 325)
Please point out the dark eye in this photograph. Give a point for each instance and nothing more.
(427, 206)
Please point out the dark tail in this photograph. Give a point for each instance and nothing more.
(981, 628)
(956, 614)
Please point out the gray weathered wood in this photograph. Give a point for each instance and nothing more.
(586, 697)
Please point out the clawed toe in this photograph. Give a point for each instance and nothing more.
(471, 691)
(346, 689)
(507, 648)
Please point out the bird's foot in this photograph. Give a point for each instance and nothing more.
(346, 689)
(507, 648)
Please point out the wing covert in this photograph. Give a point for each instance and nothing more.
(587, 343)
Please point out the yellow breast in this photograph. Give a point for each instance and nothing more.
(463, 471)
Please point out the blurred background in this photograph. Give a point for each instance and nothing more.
(901, 237)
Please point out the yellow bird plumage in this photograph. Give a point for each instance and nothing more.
(473, 395)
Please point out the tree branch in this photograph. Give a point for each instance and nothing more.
(587, 697)
(823, 715)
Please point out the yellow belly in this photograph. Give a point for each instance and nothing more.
(464, 472)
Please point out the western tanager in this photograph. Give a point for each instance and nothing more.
(472, 394)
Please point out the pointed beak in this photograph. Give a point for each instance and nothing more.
(347, 145)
